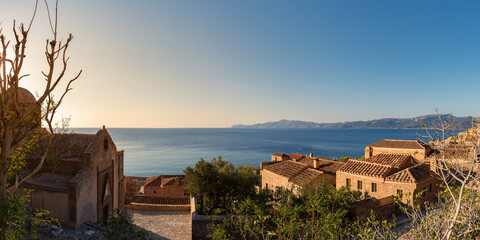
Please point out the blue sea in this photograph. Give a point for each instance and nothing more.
(154, 151)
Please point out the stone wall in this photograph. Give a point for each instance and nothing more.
(272, 181)
(200, 222)
(389, 188)
(52, 201)
(157, 207)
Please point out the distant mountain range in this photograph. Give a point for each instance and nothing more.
(384, 123)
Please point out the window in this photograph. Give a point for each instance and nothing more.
(400, 193)
(105, 144)
(359, 185)
(349, 182)
(424, 192)
(430, 188)
(154, 191)
(374, 187)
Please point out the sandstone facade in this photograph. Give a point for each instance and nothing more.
(390, 174)
(418, 149)
(84, 182)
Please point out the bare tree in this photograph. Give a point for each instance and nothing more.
(456, 214)
(19, 121)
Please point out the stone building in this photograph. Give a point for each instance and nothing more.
(294, 171)
(84, 179)
(418, 149)
(290, 175)
(385, 175)
(164, 186)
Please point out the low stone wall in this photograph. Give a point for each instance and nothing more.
(159, 204)
(200, 222)
(157, 207)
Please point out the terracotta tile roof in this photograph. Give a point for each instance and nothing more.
(279, 154)
(168, 182)
(160, 200)
(163, 180)
(307, 160)
(408, 144)
(366, 168)
(296, 156)
(394, 160)
(306, 176)
(286, 168)
(413, 174)
(330, 167)
(324, 164)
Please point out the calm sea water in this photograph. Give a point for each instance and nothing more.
(157, 151)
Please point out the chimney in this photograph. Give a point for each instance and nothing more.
(311, 154)
(177, 181)
(315, 163)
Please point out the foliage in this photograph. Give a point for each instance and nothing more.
(218, 184)
(344, 159)
(373, 228)
(434, 220)
(319, 212)
(17, 221)
(362, 158)
(456, 213)
(119, 226)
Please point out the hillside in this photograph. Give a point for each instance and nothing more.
(384, 123)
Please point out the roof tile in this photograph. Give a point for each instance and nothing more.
(394, 160)
(366, 168)
(408, 144)
(286, 168)
(413, 174)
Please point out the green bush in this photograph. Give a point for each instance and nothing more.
(119, 226)
(218, 184)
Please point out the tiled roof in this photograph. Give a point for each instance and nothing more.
(296, 156)
(168, 182)
(306, 176)
(408, 144)
(330, 167)
(286, 168)
(160, 200)
(307, 160)
(394, 160)
(163, 180)
(366, 168)
(279, 154)
(413, 174)
(324, 164)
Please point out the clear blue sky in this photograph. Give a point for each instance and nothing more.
(155, 63)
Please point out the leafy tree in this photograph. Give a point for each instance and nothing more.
(218, 184)
(319, 212)
(344, 159)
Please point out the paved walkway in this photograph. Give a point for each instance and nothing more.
(164, 224)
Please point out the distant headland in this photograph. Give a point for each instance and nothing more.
(384, 123)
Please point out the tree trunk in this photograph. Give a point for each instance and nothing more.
(4, 153)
